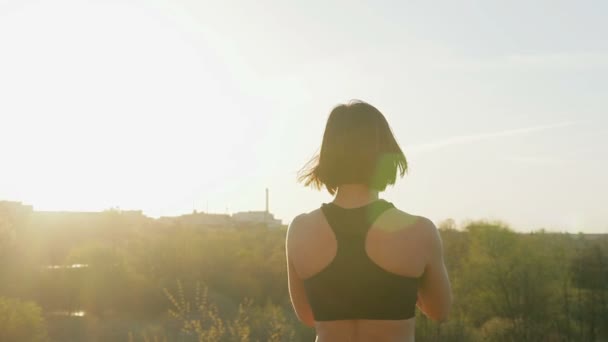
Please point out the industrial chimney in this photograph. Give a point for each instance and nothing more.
(267, 209)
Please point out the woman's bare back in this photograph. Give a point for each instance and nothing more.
(366, 330)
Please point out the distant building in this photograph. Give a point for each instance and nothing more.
(13, 215)
(222, 221)
(15, 209)
(257, 217)
(88, 218)
(200, 220)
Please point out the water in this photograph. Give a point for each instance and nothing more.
(68, 313)
(54, 267)
(73, 313)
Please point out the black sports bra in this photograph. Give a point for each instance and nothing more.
(352, 286)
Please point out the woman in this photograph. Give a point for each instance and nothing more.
(358, 266)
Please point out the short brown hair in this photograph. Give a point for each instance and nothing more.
(358, 148)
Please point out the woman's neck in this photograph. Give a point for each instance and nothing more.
(354, 195)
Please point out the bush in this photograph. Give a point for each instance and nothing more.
(21, 321)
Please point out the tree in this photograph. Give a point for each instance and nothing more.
(7, 235)
(21, 321)
(507, 278)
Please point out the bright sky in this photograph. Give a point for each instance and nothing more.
(170, 106)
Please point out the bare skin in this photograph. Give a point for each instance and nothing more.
(398, 242)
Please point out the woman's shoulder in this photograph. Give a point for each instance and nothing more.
(415, 231)
(304, 222)
(396, 219)
(306, 218)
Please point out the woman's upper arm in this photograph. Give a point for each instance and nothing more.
(297, 292)
(434, 292)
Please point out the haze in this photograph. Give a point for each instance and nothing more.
(171, 106)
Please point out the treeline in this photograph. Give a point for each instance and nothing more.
(138, 280)
(523, 287)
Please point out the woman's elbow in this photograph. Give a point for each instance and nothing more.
(437, 309)
(441, 312)
(439, 316)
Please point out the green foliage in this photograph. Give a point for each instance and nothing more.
(522, 287)
(21, 321)
(232, 284)
(201, 319)
(7, 234)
